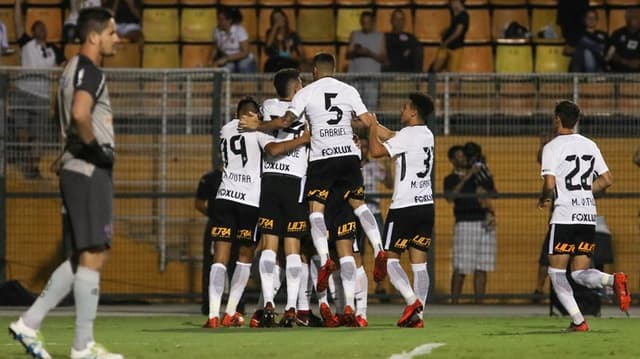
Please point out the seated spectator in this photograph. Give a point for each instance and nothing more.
(4, 40)
(403, 49)
(127, 15)
(449, 54)
(588, 52)
(283, 45)
(69, 30)
(636, 157)
(231, 43)
(624, 47)
(570, 18)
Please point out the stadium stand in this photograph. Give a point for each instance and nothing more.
(160, 24)
(264, 20)
(195, 55)
(431, 25)
(250, 22)
(52, 18)
(348, 21)
(479, 26)
(477, 58)
(383, 19)
(514, 57)
(127, 56)
(7, 18)
(502, 17)
(616, 20)
(549, 58)
(316, 25)
(277, 2)
(197, 24)
(198, 2)
(542, 18)
(159, 56)
(161, 2)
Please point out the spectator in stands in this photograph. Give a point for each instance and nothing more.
(283, 46)
(570, 17)
(449, 54)
(231, 43)
(636, 157)
(624, 48)
(127, 16)
(31, 102)
(587, 53)
(403, 49)
(367, 52)
(4, 40)
(69, 30)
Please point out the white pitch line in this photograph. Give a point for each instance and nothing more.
(419, 350)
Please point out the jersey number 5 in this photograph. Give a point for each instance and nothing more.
(327, 106)
(237, 146)
(584, 178)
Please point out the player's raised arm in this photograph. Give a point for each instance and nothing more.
(376, 148)
(251, 122)
(280, 148)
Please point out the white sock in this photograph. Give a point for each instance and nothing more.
(238, 284)
(304, 292)
(314, 267)
(217, 277)
(267, 266)
(348, 275)
(400, 280)
(333, 290)
(339, 294)
(362, 292)
(564, 292)
(277, 279)
(59, 285)
(86, 292)
(421, 283)
(319, 235)
(370, 227)
(592, 278)
(294, 269)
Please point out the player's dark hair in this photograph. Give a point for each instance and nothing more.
(93, 19)
(247, 104)
(282, 81)
(367, 13)
(324, 60)
(422, 103)
(231, 13)
(452, 151)
(568, 112)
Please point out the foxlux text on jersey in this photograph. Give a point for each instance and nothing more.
(336, 150)
(332, 132)
(238, 177)
(277, 166)
(231, 194)
(583, 217)
(423, 199)
(583, 202)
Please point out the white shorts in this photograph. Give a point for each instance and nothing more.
(123, 29)
(474, 248)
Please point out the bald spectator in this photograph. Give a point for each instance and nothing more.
(403, 49)
(624, 47)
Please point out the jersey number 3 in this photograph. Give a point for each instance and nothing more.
(584, 178)
(237, 146)
(327, 106)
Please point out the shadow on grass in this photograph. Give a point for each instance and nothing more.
(547, 331)
(191, 327)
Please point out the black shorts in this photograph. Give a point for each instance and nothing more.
(573, 239)
(409, 227)
(283, 212)
(341, 223)
(234, 222)
(325, 176)
(544, 251)
(88, 203)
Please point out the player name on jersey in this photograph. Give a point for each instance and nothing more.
(293, 163)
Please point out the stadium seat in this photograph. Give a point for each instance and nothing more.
(348, 21)
(160, 24)
(392, 2)
(160, 56)
(616, 20)
(316, 25)
(383, 19)
(596, 97)
(160, 2)
(476, 59)
(52, 18)
(502, 17)
(71, 50)
(353, 2)
(514, 58)
(508, 2)
(197, 24)
(199, 2)
(549, 58)
(315, 2)
(277, 2)
(342, 64)
(623, 2)
(543, 2)
(311, 50)
(238, 2)
(479, 26)
(431, 25)
(127, 56)
(8, 2)
(265, 21)
(517, 96)
(550, 91)
(250, 22)
(542, 17)
(195, 56)
(603, 20)
(13, 59)
(7, 18)
(475, 2)
(44, 2)
(428, 55)
(431, 2)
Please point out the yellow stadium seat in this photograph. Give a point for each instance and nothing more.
(195, 56)
(342, 63)
(508, 2)
(353, 2)
(475, 2)
(13, 59)
(543, 2)
(502, 17)
(392, 2)
(51, 17)
(199, 2)
(160, 24)
(514, 58)
(160, 56)
(277, 2)
(432, 23)
(71, 50)
(476, 59)
(250, 22)
(383, 19)
(44, 2)
(479, 26)
(549, 58)
(7, 18)
(316, 25)
(348, 21)
(238, 2)
(428, 55)
(616, 19)
(311, 50)
(542, 17)
(431, 2)
(160, 2)
(127, 56)
(265, 21)
(197, 24)
(8, 2)
(315, 2)
(623, 2)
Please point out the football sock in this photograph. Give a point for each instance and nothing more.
(339, 292)
(348, 275)
(362, 292)
(59, 285)
(238, 283)
(370, 227)
(216, 288)
(314, 266)
(267, 268)
(319, 235)
(564, 293)
(86, 292)
(592, 278)
(400, 280)
(304, 293)
(277, 279)
(293, 269)
(333, 291)
(421, 282)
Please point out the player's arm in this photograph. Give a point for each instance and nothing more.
(548, 191)
(384, 133)
(280, 148)
(251, 122)
(89, 150)
(201, 205)
(603, 182)
(376, 148)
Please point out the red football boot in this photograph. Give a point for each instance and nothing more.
(622, 291)
(380, 267)
(323, 275)
(212, 323)
(327, 316)
(408, 312)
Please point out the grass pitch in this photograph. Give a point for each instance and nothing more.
(465, 337)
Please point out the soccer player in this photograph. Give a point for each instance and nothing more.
(236, 205)
(334, 158)
(86, 188)
(575, 161)
(410, 220)
(282, 211)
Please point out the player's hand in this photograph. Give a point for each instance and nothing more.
(249, 122)
(543, 202)
(489, 223)
(306, 134)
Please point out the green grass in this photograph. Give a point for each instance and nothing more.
(486, 337)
